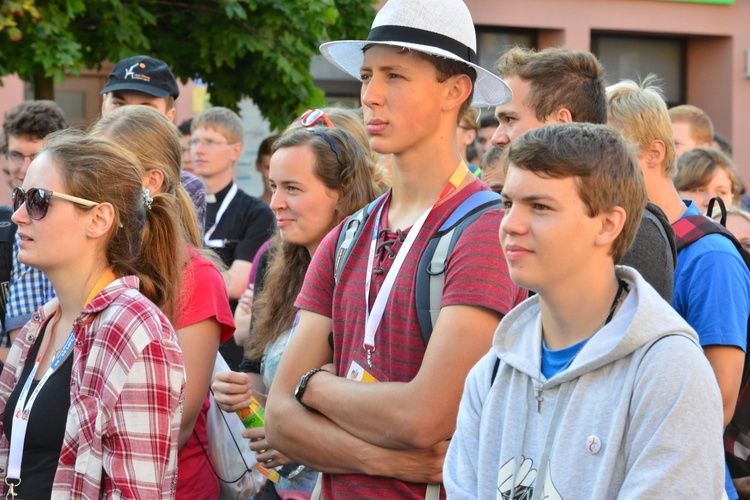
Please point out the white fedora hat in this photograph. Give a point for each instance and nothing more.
(442, 28)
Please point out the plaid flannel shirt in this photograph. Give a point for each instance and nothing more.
(29, 290)
(126, 397)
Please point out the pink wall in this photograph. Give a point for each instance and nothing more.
(718, 38)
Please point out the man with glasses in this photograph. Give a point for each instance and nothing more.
(237, 224)
(26, 126)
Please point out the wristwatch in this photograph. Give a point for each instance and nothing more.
(302, 385)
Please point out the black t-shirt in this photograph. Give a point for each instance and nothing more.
(46, 429)
(245, 225)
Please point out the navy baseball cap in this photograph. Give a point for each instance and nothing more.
(144, 74)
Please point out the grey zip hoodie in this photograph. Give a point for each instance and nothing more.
(638, 414)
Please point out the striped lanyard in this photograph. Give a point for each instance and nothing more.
(374, 317)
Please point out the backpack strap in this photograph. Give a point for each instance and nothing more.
(691, 228)
(349, 234)
(432, 264)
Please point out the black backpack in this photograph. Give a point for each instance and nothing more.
(688, 230)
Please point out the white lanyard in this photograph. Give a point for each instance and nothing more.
(374, 317)
(22, 412)
(222, 208)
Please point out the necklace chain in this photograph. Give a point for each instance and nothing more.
(622, 286)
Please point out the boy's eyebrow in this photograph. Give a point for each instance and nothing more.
(503, 114)
(393, 67)
(531, 198)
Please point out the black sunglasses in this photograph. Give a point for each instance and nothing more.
(37, 201)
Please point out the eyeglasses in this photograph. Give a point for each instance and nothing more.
(312, 116)
(208, 143)
(16, 159)
(332, 144)
(37, 201)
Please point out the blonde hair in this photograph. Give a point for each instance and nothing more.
(223, 120)
(155, 141)
(640, 113)
(701, 127)
(470, 118)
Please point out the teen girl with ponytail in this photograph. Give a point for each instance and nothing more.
(102, 354)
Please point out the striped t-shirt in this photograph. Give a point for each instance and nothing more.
(476, 275)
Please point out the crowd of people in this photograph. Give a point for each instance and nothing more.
(551, 300)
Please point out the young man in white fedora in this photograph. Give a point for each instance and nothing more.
(388, 438)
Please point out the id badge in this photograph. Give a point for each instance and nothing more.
(360, 374)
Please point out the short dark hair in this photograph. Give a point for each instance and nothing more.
(559, 78)
(724, 144)
(266, 146)
(488, 121)
(607, 170)
(34, 120)
(184, 127)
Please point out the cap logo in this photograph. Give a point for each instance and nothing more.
(130, 72)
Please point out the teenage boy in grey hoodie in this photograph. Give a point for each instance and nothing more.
(595, 387)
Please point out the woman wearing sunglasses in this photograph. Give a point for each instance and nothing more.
(203, 316)
(318, 177)
(101, 353)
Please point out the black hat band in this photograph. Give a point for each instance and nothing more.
(405, 34)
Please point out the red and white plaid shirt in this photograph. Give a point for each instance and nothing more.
(126, 397)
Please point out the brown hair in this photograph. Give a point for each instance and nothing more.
(351, 121)
(155, 141)
(559, 78)
(606, 170)
(273, 307)
(701, 127)
(34, 120)
(142, 242)
(695, 169)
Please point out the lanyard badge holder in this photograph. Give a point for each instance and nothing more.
(374, 317)
(22, 411)
(220, 243)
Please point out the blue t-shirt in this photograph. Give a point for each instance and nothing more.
(712, 293)
(554, 361)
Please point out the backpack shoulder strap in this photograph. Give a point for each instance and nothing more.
(432, 264)
(349, 234)
(690, 229)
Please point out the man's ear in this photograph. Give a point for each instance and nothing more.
(612, 223)
(458, 92)
(655, 153)
(563, 115)
(236, 151)
(170, 114)
(101, 218)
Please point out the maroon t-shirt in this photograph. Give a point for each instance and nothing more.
(476, 275)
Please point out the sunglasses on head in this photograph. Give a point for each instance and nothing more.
(312, 116)
(37, 201)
